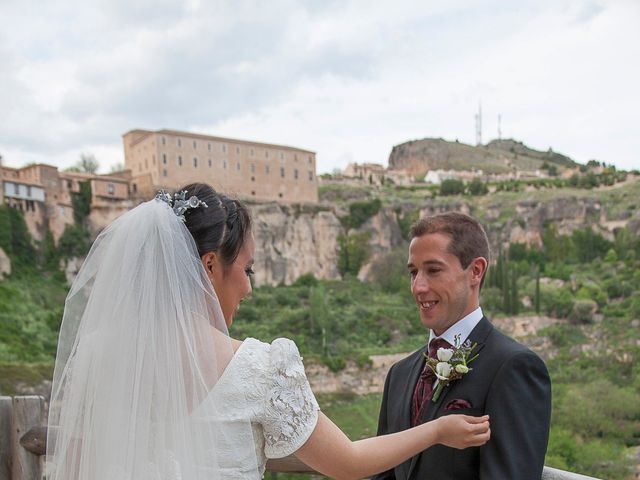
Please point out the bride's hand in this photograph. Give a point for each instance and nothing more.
(462, 431)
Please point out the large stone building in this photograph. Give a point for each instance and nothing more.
(170, 159)
(43, 194)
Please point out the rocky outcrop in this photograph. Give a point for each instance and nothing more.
(291, 242)
(499, 156)
(5, 265)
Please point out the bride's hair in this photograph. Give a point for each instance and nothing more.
(222, 227)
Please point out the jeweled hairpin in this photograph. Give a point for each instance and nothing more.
(179, 203)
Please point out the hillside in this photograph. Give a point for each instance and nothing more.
(333, 278)
(498, 156)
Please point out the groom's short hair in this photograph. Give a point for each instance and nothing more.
(468, 238)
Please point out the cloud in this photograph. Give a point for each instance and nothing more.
(347, 79)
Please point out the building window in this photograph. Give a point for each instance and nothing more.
(224, 148)
(146, 164)
(164, 158)
(238, 150)
(164, 172)
(253, 179)
(195, 145)
(266, 169)
(179, 142)
(209, 146)
(295, 174)
(154, 159)
(310, 159)
(266, 154)
(280, 195)
(238, 166)
(69, 185)
(281, 156)
(195, 162)
(253, 168)
(28, 190)
(295, 157)
(282, 172)
(251, 152)
(179, 160)
(310, 176)
(111, 189)
(224, 164)
(209, 163)
(164, 141)
(135, 188)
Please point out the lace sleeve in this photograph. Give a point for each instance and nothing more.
(291, 410)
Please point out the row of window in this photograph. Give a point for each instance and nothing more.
(296, 174)
(223, 148)
(267, 168)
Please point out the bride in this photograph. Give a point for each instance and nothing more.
(148, 385)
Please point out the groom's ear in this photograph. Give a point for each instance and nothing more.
(478, 267)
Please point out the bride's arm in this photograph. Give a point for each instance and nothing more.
(329, 451)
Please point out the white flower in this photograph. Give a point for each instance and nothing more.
(443, 370)
(462, 369)
(445, 354)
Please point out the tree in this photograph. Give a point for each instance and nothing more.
(117, 167)
(86, 164)
(81, 202)
(354, 252)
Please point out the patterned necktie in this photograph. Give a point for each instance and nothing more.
(424, 387)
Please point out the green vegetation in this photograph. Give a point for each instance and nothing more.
(588, 282)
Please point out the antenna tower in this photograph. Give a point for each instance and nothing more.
(479, 125)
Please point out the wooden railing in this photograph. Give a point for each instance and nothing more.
(23, 439)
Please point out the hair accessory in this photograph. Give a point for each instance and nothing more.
(179, 203)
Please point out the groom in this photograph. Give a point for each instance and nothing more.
(448, 258)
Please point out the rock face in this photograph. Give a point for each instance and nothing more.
(291, 243)
(5, 265)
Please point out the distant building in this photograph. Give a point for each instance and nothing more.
(376, 174)
(170, 159)
(43, 194)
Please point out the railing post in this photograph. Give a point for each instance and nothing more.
(5, 437)
(28, 411)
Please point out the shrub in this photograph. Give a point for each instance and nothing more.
(74, 242)
(361, 211)
(477, 187)
(451, 186)
(582, 311)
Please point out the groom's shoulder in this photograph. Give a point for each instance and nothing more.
(506, 346)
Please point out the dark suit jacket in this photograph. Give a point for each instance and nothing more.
(507, 381)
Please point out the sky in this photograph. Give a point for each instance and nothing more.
(346, 79)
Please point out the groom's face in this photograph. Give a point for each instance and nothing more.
(440, 286)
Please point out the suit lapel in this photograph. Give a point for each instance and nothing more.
(412, 379)
(405, 416)
(478, 335)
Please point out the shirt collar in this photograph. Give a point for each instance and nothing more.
(462, 327)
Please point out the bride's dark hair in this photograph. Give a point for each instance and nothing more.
(222, 227)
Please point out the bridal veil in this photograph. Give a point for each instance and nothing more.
(142, 343)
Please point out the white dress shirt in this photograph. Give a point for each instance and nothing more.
(461, 328)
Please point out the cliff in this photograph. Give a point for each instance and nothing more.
(292, 241)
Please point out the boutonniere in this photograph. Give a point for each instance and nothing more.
(451, 364)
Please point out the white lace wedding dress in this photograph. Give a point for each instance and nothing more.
(266, 384)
